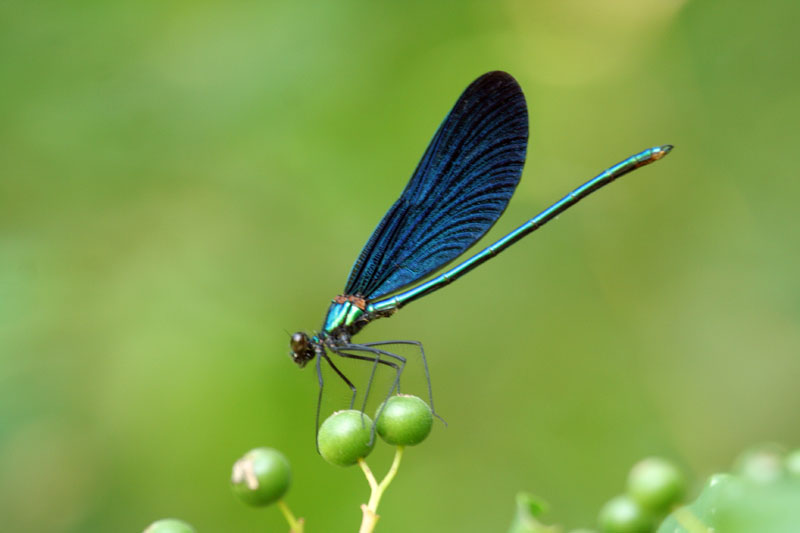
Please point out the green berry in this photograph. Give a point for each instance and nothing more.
(656, 484)
(345, 437)
(624, 515)
(405, 420)
(261, 477)
(792, 463)
(169, 525)
(760, 464)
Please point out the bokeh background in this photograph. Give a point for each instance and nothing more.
(182, 184)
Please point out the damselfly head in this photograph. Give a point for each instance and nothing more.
(302, 349)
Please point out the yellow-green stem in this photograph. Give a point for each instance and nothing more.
(295, 524)
(370, 509)
(373, 484)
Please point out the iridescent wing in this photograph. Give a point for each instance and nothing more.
(460, 188)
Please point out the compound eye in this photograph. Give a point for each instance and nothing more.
(299, 342)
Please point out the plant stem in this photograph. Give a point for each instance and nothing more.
(295, 524)
(373, 484)
(370, 509)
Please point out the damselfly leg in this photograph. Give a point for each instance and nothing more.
(377, 358)
(418, 344)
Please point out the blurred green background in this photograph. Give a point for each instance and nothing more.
(184, 183)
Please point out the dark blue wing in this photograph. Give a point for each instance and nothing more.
(459, 189)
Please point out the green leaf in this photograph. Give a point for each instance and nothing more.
(529, 509)
(740, 505)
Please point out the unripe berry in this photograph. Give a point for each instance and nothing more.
(261, 477)
(404, 420)
(169, 525)
(345, 437)
(656, 484)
